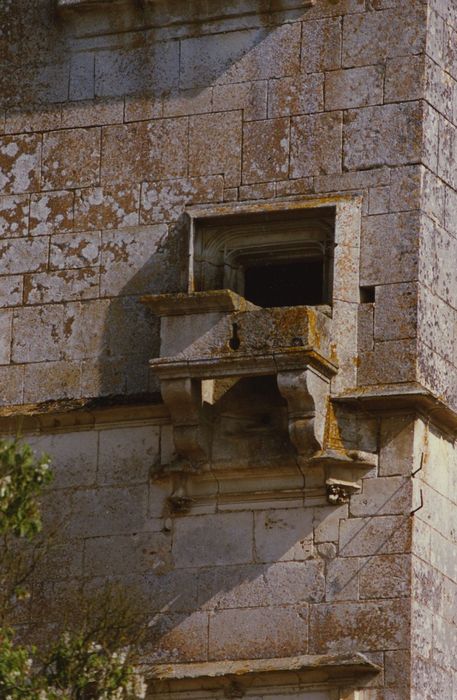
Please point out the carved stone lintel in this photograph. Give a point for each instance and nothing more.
(306, 394)
(183, 399)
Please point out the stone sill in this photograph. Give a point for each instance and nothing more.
(409, 396)
(330, 668)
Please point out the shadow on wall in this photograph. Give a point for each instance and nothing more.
(148, 47)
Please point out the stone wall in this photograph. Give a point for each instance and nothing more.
(112, 121)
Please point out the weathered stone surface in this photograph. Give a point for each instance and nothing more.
(98, 207)
(215, 146)
(266, 150)
(389, 251)
(387, 135)
(210, 540)
(372, 626)
(379, 535)
(252, 55)
(131, 152)
(316, 144)
(14, 215)
(71, 158)
(395, 313)
(321, 44)
(354, 87)
(51, 212)
(258, 633)
(75, 250)
(127, 456)
(165, 200)
(251, 97)
(19, 164)
(19, 255)
(283, 535)
(288, 96)
(61, 285)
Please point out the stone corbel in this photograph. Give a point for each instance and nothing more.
(183, 399)
(306, 394)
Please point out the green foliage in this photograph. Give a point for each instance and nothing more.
(22, 478)
(91, 658)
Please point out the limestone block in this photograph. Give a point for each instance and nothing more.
(143, 107)
(316, 142)
(439, 89)
(174, 637)
(51, 381)
(433, 196)
(283, 535)
(251, 97)
(104, 376)
(372, 37)
(268, 585)
(265, 150)
(19, 164)
(258, 633)
(326, 522)
(389, 248)
(181, 103)
(447, 152)
(449, 49)
(392, 361)
(338, 627)
(11, 384)
(128, 318)
(127, 258)
(386, 577)
(127, 554)
(406, 188)
(444, 249)
(321, 44)
(395, 313)
(73, 456)
(14, 215)
(215, 145)
(124, 72)
(82, 76)
(365, 327)
(353, 180)
(85, 330)
(127, 454)
(342, 580)
(450, 210)
(75, 250)
(61, 285)
(175, 591)
(436, 320)
(291, 95)
(287, 188)
(431, 135)
(51, 212)
(6, 319)
(71, 158)
(397, 445)
(45, 325)
(241, 56)
(421, 629)
(383, 496)
(106, 512)
(262, 190)
(386, 534)
(436, 32)
(131, 152)
(11, 290)
(92, 113)
(384, 135)
(165, 200)
(103, 208)
(213, 540)
(405, 78)
(61, 562)
(379, 200)
(354, 87)
(30, 118)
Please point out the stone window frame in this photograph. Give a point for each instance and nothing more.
(223, 249)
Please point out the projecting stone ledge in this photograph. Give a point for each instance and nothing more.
(328, 668)
(106, 4)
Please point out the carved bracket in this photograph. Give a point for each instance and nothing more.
(306, 393)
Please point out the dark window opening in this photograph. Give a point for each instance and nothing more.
(298, 283)
(367, 295)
